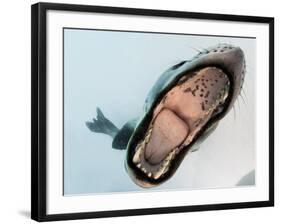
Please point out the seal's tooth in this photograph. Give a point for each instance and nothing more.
(159, 172)
(139, 150)
(225, 95)
(165, 165)
(171, 155)
(147, 138)
(166, 162)
(143, 170)
(136, 158)
(157, 175)
(149, 174)
(139, 165)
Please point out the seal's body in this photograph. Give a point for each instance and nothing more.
(183, 107)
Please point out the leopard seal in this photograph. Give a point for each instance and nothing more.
(181, 110)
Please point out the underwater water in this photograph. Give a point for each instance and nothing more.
(115, 71)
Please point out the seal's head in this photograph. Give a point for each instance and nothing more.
(182, 109)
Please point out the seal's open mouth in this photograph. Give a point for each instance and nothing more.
(179, 117)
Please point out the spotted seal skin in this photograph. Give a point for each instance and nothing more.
(182, 109)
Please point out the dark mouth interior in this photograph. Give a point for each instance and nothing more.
(179, 118)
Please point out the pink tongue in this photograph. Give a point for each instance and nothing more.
(168, 132)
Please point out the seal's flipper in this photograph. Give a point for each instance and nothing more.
(102, 125)
(122, 138)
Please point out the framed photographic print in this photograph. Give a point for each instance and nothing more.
(139, 111)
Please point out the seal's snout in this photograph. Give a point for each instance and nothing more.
(234, 57)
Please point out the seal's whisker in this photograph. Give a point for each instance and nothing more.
(248, 68)
(196, 49)
(238, 102)
(234, 112)
(244, 94)
(205, 50)
(245, 83)
(240, 95)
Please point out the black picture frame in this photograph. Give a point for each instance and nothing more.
(39, 122)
